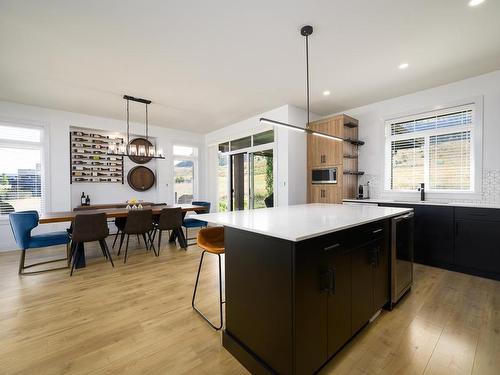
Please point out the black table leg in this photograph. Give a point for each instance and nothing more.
(80, 256)
(181, 238)
(178, 234)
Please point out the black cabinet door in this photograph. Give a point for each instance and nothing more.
(477, 245)
(434, 235)
(362, 286)
(381, 275)
(339, 301)
(311, 295)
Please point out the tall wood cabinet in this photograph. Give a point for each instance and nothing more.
(326, 153)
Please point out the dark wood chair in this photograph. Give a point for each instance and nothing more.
(139, 222)
(170, 219)
(120, 225)
(89, 228)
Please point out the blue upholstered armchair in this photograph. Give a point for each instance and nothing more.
(22, 223)
(190, 222)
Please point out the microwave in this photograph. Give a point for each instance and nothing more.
(324, 176)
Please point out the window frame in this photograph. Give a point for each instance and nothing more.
(476, 145)
(194, 159)
(42, 145)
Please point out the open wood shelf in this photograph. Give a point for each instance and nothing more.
(353, 141)
(354, 173)
(350, 124)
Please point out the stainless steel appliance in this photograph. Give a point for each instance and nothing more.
(324, 176)
(401, 256)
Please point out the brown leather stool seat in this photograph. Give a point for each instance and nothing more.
(211, 240)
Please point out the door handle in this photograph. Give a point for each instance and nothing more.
(332, 281)
(331, 247)
(377, 231)
(324, 281)
(327, 281)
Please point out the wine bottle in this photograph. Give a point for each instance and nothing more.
(82, 199)
(87, 201)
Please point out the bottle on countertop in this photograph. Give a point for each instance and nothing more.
(82, 199)
(87, 201)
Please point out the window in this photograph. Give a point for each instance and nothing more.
(185, 159)
(20, 169)
(433, 148)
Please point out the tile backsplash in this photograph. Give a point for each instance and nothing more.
(490, 194)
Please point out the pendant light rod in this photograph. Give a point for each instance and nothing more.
(306, 31)
(138, 100)
(128, 123)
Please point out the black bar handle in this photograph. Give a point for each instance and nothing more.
(331, 247)
(332, 281)
(324, 281)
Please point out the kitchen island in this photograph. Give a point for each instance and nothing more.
(301, 280)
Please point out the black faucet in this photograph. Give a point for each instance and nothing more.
(421, 189)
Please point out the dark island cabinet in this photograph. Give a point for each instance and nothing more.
(341, 280)
(290, 306)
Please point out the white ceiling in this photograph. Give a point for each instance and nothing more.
(207, 64)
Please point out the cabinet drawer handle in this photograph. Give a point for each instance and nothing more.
(377, 231)
(331, 247)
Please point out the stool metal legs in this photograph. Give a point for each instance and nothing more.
(220, 293)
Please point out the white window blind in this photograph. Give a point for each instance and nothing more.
(433, 148)
(20, 169)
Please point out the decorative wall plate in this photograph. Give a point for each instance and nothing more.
(140, 142)
(141, 178)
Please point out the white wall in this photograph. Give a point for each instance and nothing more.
(371, 129)
(61, 195)
(290, 159)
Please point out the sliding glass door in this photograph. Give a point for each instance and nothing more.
(251, 180)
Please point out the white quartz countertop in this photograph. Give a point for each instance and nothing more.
(300, 222)
(427, 203)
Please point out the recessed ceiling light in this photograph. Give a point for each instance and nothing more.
(403, 66)
(473, 3)
(326, 93)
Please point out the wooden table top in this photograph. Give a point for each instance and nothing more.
(64, 216)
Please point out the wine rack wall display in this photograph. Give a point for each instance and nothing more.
(90, 161)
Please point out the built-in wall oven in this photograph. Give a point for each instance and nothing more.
(324, 175)
(401, 256)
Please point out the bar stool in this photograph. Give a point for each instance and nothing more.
(211, 240)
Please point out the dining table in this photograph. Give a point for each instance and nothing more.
(111, 213)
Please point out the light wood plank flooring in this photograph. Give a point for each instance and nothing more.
(137, 319)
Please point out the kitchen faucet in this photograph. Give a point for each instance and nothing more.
(421, 189)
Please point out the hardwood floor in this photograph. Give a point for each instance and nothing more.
(137, 319)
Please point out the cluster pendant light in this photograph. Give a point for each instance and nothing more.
(132, 150)
(305, 31)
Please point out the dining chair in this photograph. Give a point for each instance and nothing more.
(22, 223)
(211, 240)
(169, 219)
(139, 222)
(89, 228)
(190, 222)
(119, 224)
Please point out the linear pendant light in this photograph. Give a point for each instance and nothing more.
(129, 149)
(305, 31)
